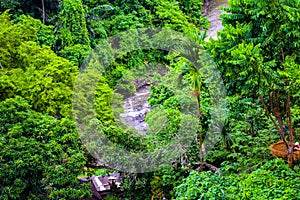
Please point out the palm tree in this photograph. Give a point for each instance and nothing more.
(196, 82)
(191, 51)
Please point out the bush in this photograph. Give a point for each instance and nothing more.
(274, 180)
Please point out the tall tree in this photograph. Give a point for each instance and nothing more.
(33, 72)
(72, 38)
(195, 78)
(71, 27)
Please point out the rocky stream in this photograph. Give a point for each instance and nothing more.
(136, 106)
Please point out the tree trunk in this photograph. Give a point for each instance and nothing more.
(291, 130)
(275, 109)
(290, 157)
(44, 14)
(200, 132)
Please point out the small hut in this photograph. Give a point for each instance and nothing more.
(104, 185)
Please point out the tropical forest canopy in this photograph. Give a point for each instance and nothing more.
(46, 45)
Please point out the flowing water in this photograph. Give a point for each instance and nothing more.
(213, 17)
(136, 106)
(135, 109)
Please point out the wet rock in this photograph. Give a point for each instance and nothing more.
(142, 82)
(135, 109)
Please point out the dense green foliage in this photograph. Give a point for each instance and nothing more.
(257, 53)
(40, 156)
(46, 45)
(32, 71)
(273, 180)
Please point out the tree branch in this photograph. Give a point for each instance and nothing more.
(278, 114)
(295, 51)
(289, 119)
(271, 102)
(276, 125)
(268, 113)
(282, 53)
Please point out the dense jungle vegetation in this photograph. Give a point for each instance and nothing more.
(44, 44)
